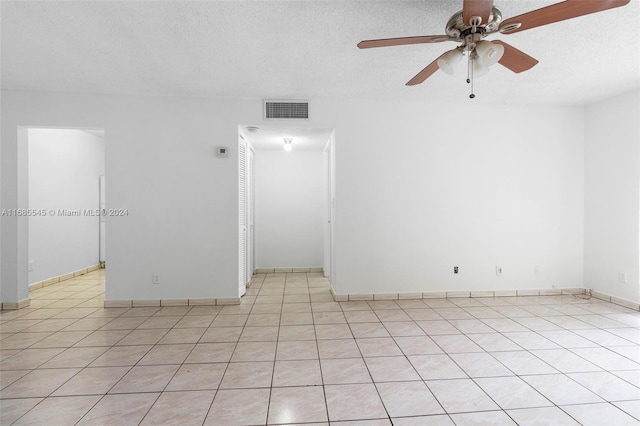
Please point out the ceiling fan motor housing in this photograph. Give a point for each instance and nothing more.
(457, 29)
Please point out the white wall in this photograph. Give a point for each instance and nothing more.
(419, 188)
(161, 166)
(64, 170)
(612, 189)
(329, 208)
(290, 208)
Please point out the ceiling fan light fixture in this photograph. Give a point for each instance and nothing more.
(449, 60)
(479, 68)
(489, 53)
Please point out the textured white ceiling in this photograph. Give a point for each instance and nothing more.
(301, 49)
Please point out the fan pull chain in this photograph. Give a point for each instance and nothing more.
(470, 75)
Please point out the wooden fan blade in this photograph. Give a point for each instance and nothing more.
(514, 59)
(559, 12)
(426, 72)
(481, 8)
(400, 41)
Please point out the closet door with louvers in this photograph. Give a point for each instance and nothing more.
(250, 193)
(242, 216)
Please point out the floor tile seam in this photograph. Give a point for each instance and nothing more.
(572, 350)
(116, 345)
(324, 389)
(164, 389)
(505, 411)
(393, 337)
(535, 349)
(210, 404)
(631, 343)
(364, 359)
(501, 334)
(466, 333)
(551, 403)
(622, 378)
(50, 395)
(355, 341)
(569, 348)
(43, 401)
(6, 385)
(38, 367)
(22, 349)
(480, 318)
(153, 346)
(448, 355)
(614, 401)
(386, 410)
(560, 407)
(597, 327)
(273, 367)
(182, 316)
(128, 367)
(146, 413)
(450, 413)
(491, 353)
(559, 313)
(273, 373)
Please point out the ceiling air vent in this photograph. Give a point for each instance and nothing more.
(295, 110)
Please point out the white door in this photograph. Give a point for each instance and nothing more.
(250, 215)
(101, 233)
(327, 232)
(242, 216)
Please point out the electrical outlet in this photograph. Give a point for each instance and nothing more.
(537, 270)
(155, 278)
(623, 277)
(455, 269)
(30, 265)
(499, 271)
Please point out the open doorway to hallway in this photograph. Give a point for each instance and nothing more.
(66, 198)
(285, 197)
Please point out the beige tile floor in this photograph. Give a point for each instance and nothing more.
(289, 355)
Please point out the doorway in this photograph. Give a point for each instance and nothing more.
(285, 218)
(66, 192)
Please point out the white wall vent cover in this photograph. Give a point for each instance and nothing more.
(294, 110)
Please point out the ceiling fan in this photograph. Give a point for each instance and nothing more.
(480, 18)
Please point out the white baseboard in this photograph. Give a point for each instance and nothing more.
(137, 303)
(453, 294)
(12, 306)
(314, 269)
(487, 293)
(64, 277)
(616, 300)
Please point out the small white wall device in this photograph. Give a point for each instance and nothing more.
(222, 152)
